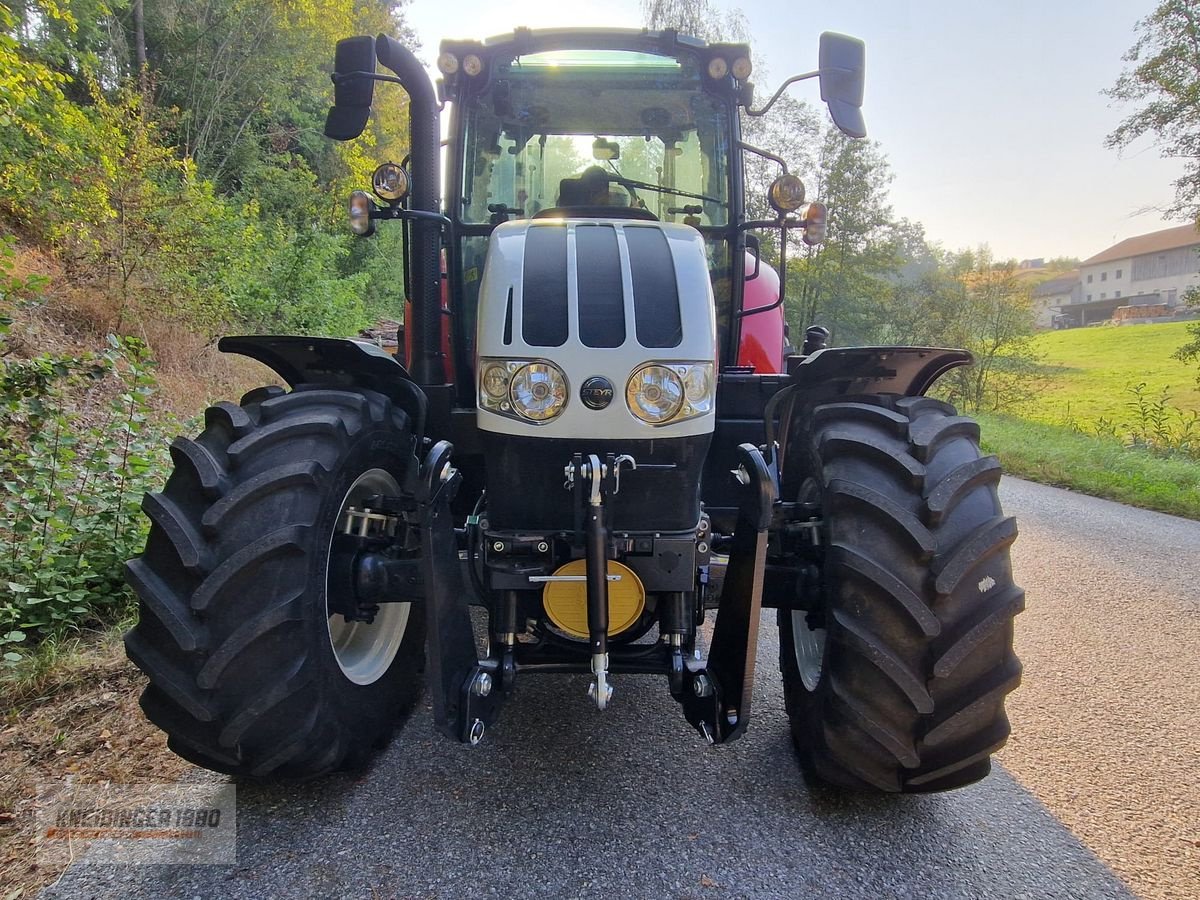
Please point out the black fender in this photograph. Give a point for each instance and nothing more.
(842, 371)
(337, 361)
(745, 401)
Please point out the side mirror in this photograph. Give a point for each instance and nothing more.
(842, 66)
(352, 95)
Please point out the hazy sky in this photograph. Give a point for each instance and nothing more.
(989, 113)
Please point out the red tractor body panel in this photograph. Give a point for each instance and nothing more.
(762, 338)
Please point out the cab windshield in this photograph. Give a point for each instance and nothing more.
(564, 129)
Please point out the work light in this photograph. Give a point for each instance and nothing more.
(786, 194)
(390, 182)
(717, 67)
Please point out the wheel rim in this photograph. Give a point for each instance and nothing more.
(809, 644)
(364, 652)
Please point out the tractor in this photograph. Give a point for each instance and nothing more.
(599, 453)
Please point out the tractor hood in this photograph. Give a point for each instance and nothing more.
(599, 299)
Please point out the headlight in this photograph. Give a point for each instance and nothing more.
(654, 394)
(661, 393)
(786, 194)
(447, 63)
(535, 390)
(494, 382)
(717, 67)
(742, 68)
(390, 182)
(538, 391)
(472, 65)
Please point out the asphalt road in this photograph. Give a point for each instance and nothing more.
(562, 801)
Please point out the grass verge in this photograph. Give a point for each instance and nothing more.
(1058, 456)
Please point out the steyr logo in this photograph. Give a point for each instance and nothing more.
(596, 392)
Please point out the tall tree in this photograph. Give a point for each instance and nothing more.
(843, 283)
(696, 18)
(1163, 79)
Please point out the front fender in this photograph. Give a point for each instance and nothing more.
(842, 371)
(340, 362)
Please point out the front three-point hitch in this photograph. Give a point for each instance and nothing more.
(715, 693)
(592, 481)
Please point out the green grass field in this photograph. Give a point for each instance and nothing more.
(1090, 369)
(1088, 373)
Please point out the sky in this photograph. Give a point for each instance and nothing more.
(990, 114)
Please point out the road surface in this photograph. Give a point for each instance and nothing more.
(1096, 795)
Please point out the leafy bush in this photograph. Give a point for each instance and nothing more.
(1154, 424)
(73, 472)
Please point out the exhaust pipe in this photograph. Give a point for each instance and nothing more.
(427, 364)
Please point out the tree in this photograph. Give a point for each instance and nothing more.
(1164, 80)
(1190, 352)
(696, 18)
(971, 301)
(843, 282)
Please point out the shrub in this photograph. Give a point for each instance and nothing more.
(79, 453)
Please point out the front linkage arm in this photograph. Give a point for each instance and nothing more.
(717, 693)
(464, 702)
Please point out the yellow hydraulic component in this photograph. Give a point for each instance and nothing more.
(566, 601)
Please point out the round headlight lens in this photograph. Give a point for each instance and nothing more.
(654, 394)
(742, 68)
(495, 381)
(717, 67)
(696, 384)
(472, 65)
(447, 63)
(786, 193)
(538, 391)
(390, 182)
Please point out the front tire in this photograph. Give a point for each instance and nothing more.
(896, 681)
(249, 673)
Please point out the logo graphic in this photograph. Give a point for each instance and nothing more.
(596, 393)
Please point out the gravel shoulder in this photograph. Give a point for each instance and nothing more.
(1106, 725)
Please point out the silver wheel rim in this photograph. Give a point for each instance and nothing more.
(808, 643)
(365, 652)
(810, 649)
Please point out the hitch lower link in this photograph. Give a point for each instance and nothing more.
(716, 693)
(592, 481)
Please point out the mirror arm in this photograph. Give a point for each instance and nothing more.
(765, 154)
(783, 87)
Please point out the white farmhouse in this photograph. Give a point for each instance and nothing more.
(1150, 270)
